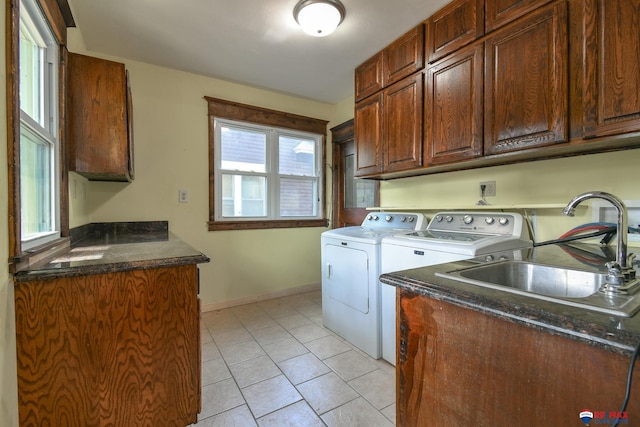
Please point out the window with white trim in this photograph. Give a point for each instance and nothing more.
(39, 143)
(266, 173)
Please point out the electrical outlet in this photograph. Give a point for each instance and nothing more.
(183, 196)
(489, 190)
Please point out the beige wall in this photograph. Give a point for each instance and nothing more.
(542, 182)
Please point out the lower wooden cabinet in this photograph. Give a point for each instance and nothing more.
(113, 349)
(460, 367)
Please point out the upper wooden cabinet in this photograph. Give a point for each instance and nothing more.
(453, 107)
(368, 135)
(454, 26)
(404, 56)
(611, 67)
(100, 134)
(526, 92)
(400, 59)
(403, 104)
(501, 12)
(369, 77)
(388, 128)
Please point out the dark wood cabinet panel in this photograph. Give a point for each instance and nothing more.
(99, 113)
(403, 110)
(453, 107)
(117, 349)
(612, 67)
(457, 366)
(502, 12)
(368, 77)
(404, 56)
(454, 26)
(526, 92)
(368, 135)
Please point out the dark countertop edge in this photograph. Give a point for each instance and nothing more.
(88, 270)
(585, 332)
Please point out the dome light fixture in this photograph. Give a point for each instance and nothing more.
(319, 18)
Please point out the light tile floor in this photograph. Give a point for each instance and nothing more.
(272, 363)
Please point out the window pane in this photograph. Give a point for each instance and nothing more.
(244, 196)
(358, 193)
(243, 150)
(35, 185)
(297, 197)
(32, 49)
(297, 156)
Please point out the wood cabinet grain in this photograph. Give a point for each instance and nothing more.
(457, 366)
(611, 67)
(454, 26)
(100, 121)
(368, 77)
(404, 56)
(114, 349)
(502, 12)
(454, 107)
(526, 91)
(368, 135)
(403, 107)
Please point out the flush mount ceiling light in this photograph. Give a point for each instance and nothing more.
(319, 18)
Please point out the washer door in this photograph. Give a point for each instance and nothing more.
(346, 273)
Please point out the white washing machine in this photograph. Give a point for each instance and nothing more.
(450, 236)
(350, 271)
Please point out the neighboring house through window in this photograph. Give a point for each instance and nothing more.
(267, 168)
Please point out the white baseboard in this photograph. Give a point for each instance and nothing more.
(248, 300)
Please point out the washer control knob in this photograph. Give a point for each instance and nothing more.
(403, 219)
(369, 217)
(489, 220)
(449, 218)
(503, 220)
(467, 219)
(375, 217)
(438, 218)
(388, 218)
(489, 258)
(411, 219)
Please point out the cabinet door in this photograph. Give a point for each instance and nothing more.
(501, 12)
(98, 119)
(456, 25)
(403, 110)
(368, 77)
(404, 56)
(526, 89)
(612, 50)
(368, 135)
(453, 107)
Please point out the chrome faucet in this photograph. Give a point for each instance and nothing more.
(621, 271)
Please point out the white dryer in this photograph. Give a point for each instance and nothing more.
(450, 236)
(350, 271)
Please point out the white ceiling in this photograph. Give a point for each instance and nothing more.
(254, 42)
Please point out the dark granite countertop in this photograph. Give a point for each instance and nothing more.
(613, 333)
(109, 247)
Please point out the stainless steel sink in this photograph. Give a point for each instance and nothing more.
(573, 287)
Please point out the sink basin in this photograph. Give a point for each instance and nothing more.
(568, 286)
